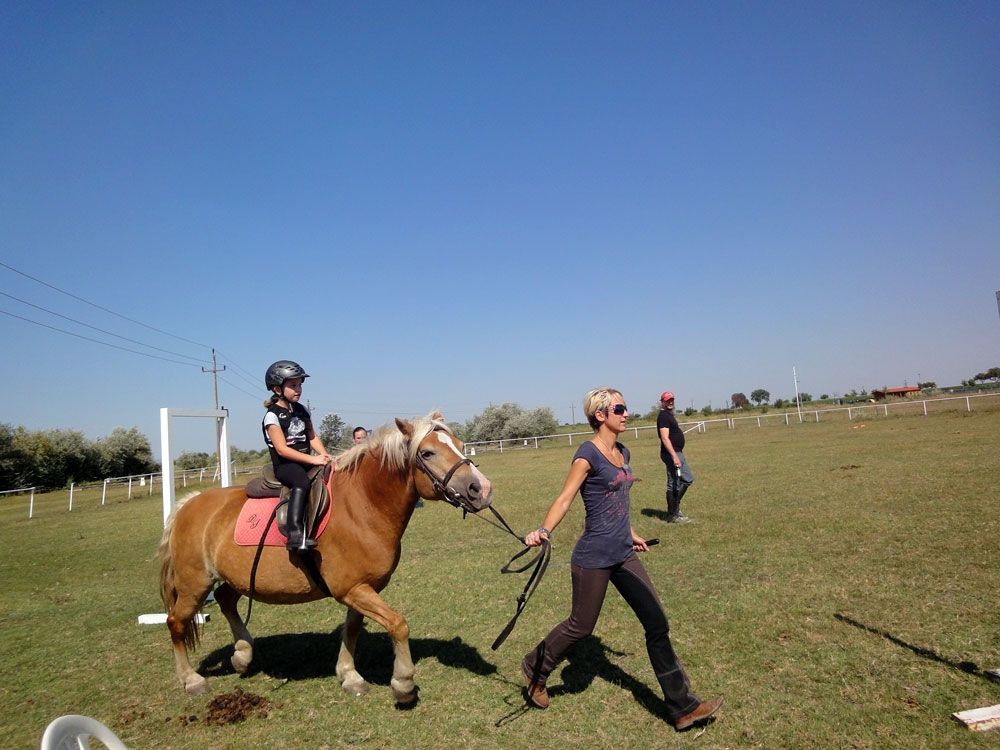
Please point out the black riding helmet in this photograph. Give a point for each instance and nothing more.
(281, 371)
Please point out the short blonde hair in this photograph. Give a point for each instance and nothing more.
(597, 400)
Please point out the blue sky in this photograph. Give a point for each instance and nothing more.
(452, 204)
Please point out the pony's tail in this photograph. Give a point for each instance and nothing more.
(168, 590)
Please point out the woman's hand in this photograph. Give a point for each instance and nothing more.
(534, 538)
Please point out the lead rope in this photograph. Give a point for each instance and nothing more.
(540, 562)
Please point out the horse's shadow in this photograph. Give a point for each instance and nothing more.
(308, 656)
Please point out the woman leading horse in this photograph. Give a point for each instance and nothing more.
(374, 490)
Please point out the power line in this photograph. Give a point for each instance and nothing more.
(238, 371)
(95, 328)
(99, 307)
(96, 341)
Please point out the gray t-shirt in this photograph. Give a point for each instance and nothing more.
(607, 533)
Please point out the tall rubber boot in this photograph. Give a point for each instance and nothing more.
(298, 502)
(673, 503)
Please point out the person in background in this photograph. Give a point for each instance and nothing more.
(679, 476)
(606, 553)
(360, 435)
(289, 436)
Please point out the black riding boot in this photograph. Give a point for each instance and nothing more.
(298, 503)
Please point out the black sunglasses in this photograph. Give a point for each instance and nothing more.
(618, 409)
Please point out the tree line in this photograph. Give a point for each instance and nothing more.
(497, 422)
(57, 458)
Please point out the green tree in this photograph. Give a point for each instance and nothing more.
(9, 458)
(125, 453)
(760, 396)
(78, 458)
(201, 460)
(251, 457)
(991, 374)
(509, 421)
(333, 431)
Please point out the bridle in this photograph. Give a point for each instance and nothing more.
(449, 494)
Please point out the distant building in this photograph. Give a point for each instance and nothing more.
(883, 393)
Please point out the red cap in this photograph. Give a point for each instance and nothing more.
(666, 396)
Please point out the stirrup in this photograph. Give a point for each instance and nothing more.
(302, 545)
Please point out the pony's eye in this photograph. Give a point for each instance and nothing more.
(427, 454)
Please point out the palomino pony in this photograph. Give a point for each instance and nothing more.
(375, 488)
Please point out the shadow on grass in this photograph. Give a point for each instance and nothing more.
(586, 661)
(307, 656)
(968, 667)
(655, 513)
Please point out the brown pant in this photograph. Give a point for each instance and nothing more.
(589, 588)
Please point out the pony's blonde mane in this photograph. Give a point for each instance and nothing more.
(396, 451)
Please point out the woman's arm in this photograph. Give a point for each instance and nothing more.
(560, 506)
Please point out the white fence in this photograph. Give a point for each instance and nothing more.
(121, 488)
(857, 411)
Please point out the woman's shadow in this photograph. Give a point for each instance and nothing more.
(588, 660)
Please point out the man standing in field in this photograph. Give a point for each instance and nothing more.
(679, 476)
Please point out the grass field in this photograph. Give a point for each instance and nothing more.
(837, 585)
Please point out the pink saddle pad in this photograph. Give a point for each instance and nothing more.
(254, 517)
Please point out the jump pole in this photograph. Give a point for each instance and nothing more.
(168, 475)
(168, 457)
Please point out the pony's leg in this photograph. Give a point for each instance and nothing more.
(228, 598)
(350, 680)
(180, 622)
(367, 601)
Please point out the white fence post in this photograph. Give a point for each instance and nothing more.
(71, 485)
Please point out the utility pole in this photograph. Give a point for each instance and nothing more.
(572, 407)
(215, 393)
(798, 403)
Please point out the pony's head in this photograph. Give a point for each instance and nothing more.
(426, 446)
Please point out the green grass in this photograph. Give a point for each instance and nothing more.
(837, 585)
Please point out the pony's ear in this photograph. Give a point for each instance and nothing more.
(405, 427)
(437, 415)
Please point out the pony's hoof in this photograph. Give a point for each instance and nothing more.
(405, 699)
(196, 685)
(242, 657)
(356, 689)
(240, 663)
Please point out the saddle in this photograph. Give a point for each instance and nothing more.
(267, 488)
